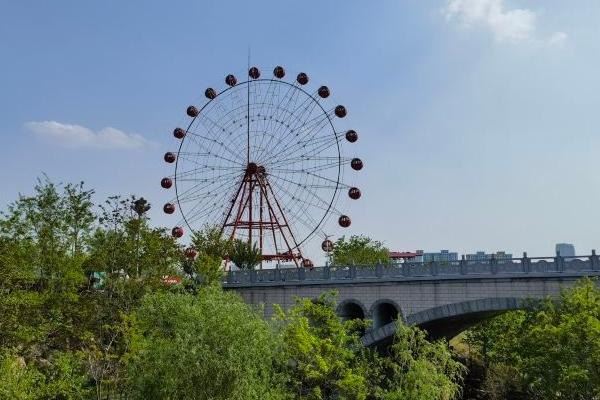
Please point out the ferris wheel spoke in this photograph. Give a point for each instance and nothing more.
(306, 157)
(214, 126)
(289, 146)
(291, 120)
(221, 144)
(293, 127)
(288, 99)
(192, 189)
(287, 116)
(298, 118)
(195, 161)
(227, 194)
(200, 196)
(208, 185)
(208, 146)
(208, 167)
(298, 213)
(320, 168)
(333, 165)
(313, 194)
(262, 121)
(181, 175)
(315, 145)
(195, 192)
(307, 204)
(202, 209)
(323, 178)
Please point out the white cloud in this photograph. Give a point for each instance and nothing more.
(77, 136)
(557, 39)
(513, 25)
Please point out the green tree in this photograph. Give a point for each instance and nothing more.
(245, 255)
(125, 245)
(134, 257)
(41, 244)
(209, 346)
(418, 369)
(551, 351)
(359, 250)
(325, 357)
(212, 249)
(17, 381)
(208, 268)
(559, 347)
(210, 241)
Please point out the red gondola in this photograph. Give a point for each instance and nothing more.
(166, 183)
(177, 232)
(340, 111)
(344, 221)
(356, 164)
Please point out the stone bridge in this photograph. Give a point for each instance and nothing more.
(442, 297)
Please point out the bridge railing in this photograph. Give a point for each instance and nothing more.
(413, 270)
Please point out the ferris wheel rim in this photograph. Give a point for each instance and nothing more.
(334, 196)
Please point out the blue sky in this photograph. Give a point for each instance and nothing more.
(479, 119)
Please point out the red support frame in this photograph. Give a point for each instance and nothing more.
(255, 183)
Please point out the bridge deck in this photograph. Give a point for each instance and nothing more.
(413, 271)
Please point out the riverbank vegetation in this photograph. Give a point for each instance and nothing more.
(96, 303)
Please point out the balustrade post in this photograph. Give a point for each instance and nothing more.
(253, 276)
(327, 272)
(378, 270)
(494, 264)
(230, 277)
(301, 274)
(526, 263)
(434, 268)
(463, 265)
(595, 263)
(277, 274)
(352, 271)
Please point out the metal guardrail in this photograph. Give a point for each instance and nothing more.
(462, 269)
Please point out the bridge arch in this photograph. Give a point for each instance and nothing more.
(385, 311)
(351, 309)
(449, 320)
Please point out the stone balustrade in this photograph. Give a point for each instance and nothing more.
(462, 269)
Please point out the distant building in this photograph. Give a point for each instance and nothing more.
(421, 256)
(565, 249)
(402, 256)
(443, 255)
(483, 256)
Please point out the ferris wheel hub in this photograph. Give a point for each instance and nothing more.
(252, 168)
(255, 169)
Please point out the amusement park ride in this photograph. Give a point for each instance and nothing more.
(262, 160)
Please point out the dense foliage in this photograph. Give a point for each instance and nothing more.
(551, 351)
(359, 250)
(245, 255)
(205, 346)
(87, 312)
(327, 361)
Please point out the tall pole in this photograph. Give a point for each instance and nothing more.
(250, 227)
(248, 111)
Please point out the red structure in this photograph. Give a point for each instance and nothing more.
(403, 255)
(270, 220)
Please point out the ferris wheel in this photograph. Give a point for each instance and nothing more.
(262, 159)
